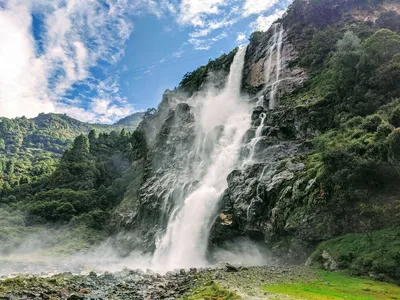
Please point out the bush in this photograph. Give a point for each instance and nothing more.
(256, 37)
(395, 117)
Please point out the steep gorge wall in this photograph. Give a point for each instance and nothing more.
(170, 135)
(274, 198)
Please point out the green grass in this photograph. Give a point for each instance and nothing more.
(361, 255)
(332, 286)
(34, 283)
(211, 291)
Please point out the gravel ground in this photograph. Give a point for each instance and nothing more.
(147, 285)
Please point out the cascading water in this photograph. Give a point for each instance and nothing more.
(257, 137)
(273, 66)
(186, 238)
(260, 179)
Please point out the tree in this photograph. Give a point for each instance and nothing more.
(256, 37)
(388, 77)
(382, 46)
(344, 63)
(323, 43)
(64, 212)
(395, 117)
(77, 168)
(389, 20)
(10, 167)
(394, 149)
(92, 140)
(139, 145)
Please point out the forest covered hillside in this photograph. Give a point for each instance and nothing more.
(30, 148)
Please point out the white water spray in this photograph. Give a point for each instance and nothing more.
(186, 239)
(255, 140)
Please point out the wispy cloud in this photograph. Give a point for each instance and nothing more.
(207, 16)
(196, 12)
(251, 7)
(263, 23)
(107, 107)
(241, 38)
(75, 36)
(178, 54)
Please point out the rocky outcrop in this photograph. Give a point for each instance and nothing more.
(372, 15)
(260, 54)
(170, 133)
(266, 197)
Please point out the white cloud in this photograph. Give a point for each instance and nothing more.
(193, 12)
(263, 23)
(205, 44)
(241, 38)
(200, 44)
(155, 7)
(251, 7)
(107, 107)
(178, 54)
(200, 33)
(219, 37)
(74, 37)
(206, 16)
(21, 74)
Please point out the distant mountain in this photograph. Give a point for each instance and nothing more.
(131, 120)
(30, 148)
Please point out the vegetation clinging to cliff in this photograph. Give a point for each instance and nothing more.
(193, 81)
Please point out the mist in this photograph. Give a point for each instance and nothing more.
(222, 116)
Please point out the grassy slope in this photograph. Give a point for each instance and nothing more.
(333, 286)
(211, 291)
(379, 252)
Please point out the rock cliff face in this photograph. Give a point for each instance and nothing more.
(272, 196)
(270, 64)
(266, 198)
(170, 134)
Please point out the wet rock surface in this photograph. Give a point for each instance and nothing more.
(259, 54)
(266, 195)
(148, 285)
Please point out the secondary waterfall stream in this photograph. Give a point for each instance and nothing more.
(185, 241)
(273, 66)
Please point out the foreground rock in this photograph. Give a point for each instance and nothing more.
(136, 284)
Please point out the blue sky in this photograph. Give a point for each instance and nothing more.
(100, 60)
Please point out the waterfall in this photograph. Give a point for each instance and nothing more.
(260, 127)
(273, 67)
(185, 241)
(254, 141)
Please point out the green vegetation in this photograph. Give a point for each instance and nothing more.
(377, 252)
(31, 148)
(193, 81)
(333, 286)
(353, 98)
(77, 198)
(16, 284)
(211, 291)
